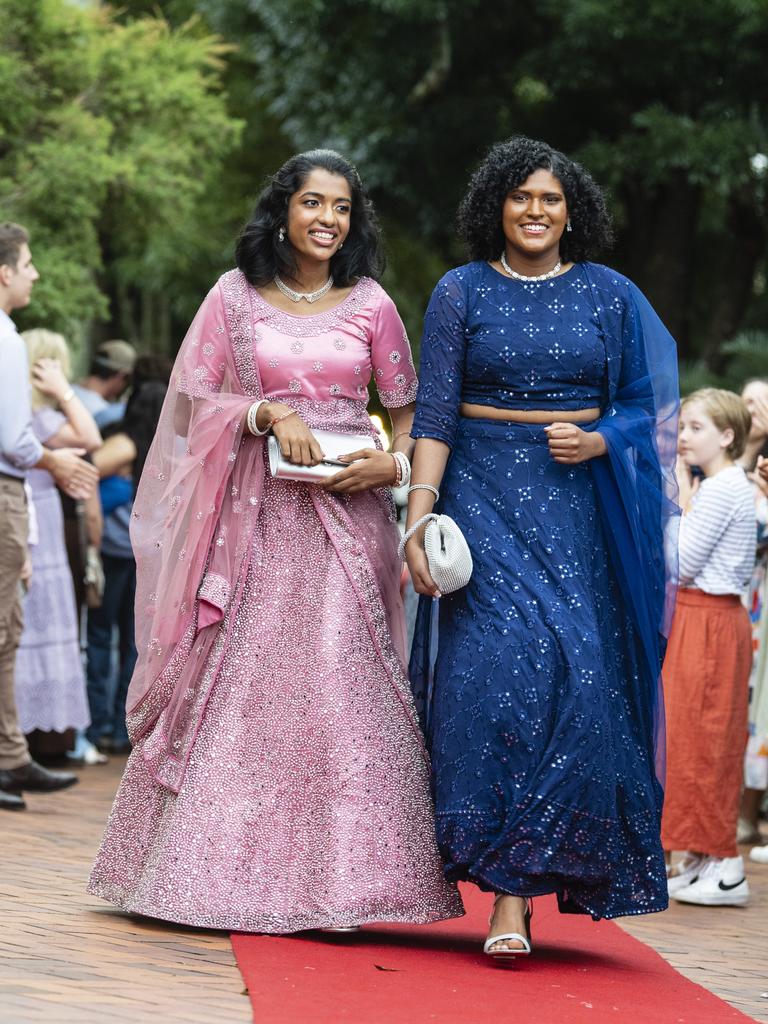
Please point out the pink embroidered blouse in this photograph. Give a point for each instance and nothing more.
(335, 354)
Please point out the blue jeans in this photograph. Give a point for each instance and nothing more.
(105, 695)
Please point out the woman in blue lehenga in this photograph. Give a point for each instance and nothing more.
(546, 417)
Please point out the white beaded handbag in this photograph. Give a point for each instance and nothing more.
(448, 555)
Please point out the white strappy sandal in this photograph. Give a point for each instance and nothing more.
(502, 955)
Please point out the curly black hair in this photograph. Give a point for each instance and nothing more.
(260, 254)
(506, 167)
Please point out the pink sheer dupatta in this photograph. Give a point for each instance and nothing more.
(195, 508)
(193, 528)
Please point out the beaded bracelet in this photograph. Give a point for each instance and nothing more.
(278, 419)
(425, 487)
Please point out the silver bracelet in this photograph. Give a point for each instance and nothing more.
(428, 518)
(250, 420)
(425, 487)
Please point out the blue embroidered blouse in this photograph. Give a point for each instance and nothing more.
(491, 340)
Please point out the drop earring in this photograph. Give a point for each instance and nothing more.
(568, 225)
(341, 245)
(281, 235)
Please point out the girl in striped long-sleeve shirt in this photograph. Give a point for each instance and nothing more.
(706, 670)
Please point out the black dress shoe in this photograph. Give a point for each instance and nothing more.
(34, 777)
(11, 802)
(121, 747)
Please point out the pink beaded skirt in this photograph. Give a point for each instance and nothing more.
(305, 802)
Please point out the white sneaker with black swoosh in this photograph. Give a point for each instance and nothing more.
(721, 883)
(685, 872)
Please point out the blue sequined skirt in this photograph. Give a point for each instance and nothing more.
(542, 753)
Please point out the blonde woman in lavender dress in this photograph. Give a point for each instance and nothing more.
(279, 780)
(50, 682)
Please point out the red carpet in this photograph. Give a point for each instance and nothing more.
(393, 974)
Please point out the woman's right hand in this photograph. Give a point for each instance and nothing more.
(48, 377)
(297, 442)
(418, 566)
(760, 474)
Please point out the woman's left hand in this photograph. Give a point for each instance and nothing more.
(760, 412)
(48, 377)
(687, 483)
(371, 468)
(570, 444)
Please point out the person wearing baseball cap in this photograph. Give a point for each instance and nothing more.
(108, 377)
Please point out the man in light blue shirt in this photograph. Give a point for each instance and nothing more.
(19, 451)
(108, 379)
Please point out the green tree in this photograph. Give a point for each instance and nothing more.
(121, 146)
(112, 147)
(675, 94)
(663, 100)
(55, 164)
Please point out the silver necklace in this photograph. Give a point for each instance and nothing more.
(522, 277)
(289, 293)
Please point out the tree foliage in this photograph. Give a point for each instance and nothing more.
(662, 99)
(111, 146)
(121, 146)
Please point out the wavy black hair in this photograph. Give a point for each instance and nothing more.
(151, 375)
(142, 414)
(260, 254)
(506, 167)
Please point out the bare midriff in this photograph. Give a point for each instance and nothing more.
(490, 412)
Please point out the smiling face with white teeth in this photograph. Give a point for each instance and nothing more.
(533, 219)
(319, 215)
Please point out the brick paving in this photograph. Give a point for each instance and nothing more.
(68, 957)
(725, 949)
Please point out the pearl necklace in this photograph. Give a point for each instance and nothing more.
(521, 277)
(289, 293)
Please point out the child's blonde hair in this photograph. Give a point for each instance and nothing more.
(43, 344)
(727, 410)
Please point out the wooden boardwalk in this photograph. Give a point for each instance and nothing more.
(67, 957)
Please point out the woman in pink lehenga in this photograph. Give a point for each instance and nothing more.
(279, 780)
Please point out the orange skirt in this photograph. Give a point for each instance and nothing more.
(706, 676)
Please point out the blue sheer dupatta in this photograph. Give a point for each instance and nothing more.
(635, 482)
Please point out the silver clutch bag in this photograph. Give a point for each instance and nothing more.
(448, 555)
(333, 444)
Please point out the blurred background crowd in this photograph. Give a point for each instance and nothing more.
(80, 585)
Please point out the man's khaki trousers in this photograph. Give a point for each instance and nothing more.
(13, 550)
